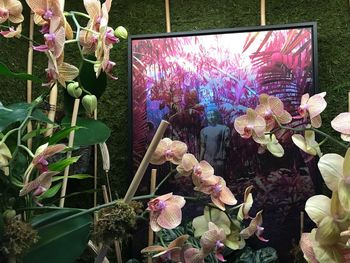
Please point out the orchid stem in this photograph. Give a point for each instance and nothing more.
(163, 181)
(27, 150)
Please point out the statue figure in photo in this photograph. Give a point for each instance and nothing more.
(214, 140)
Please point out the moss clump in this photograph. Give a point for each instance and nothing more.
(114, 223)
(18, 237)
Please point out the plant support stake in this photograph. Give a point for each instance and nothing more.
(70, 145)
(145, 161)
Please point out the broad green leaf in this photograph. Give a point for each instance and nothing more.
(60, 165)
(74, 176)
(61, 242)
(51, 192)
(4, 70)
(60, 135)
(19, 113)
(35, 133)
(93, 132)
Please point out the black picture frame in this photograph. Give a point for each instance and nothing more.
(158, 39)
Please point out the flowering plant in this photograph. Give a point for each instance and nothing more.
(220, 227)
(34, 162)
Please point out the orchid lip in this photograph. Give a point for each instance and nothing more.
(48, 14)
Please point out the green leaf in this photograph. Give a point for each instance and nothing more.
(4, 70)
(34, 133)
(74, 176)
(61, 242)
(60, 165)
(51, 192)
(19, 112)
(94, 132)
(64, 133)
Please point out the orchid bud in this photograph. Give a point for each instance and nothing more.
(90, 103)
(121, 32)
(74, 90)
(9, 214)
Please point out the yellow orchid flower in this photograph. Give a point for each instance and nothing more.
(335, 171)
(308, 143)
(270, 142)
(219, 218)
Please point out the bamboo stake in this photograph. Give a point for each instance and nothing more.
(152, 189)
(301, 223)
(95, 166)
(167, 16)
(30, 71)
(118, 251)
(349, 101)
(145, 161)
(69, 154)
(262, 12)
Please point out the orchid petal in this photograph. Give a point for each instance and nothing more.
(344, 194)
(170, 217)
(318, 207)
(341, 123)
(328, 232)
(331, 168)
(316, 104)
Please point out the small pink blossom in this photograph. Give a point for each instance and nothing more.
(213, 240)
(165, 211)
(254, 228)
(220, 194)
(12, 32)
(47, 10)
(312, 107)
(271, 107)
(199, 170)
(250, 124)
(11, 10)
(168, 150)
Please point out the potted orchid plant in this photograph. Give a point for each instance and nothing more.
(34, 154)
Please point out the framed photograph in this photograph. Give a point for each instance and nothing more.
(201, 82)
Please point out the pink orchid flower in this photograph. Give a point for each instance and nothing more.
(254, 228)
(243, 212)
(47, 11)
(312, 107)
(40, 159)
(165, 211)
(39, 185)
(271, 107)
(199, 170)
(87, 38)
(171, 252)
(11, 10)
(213, 240)
(168, 150)
(250, 124)
(220, 194)
(341, 124)
(58, 70)
(54, 40)
(12, 32)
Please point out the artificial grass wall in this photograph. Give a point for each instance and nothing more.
(148, 16)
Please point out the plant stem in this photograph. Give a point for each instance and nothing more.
(27, 150)
(164, 180)
(141, 197)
